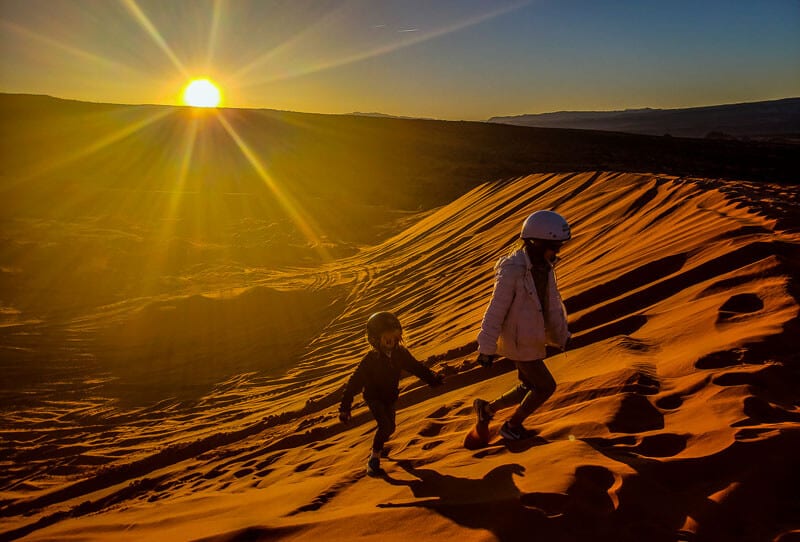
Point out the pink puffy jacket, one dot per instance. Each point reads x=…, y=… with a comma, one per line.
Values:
x=514, y=324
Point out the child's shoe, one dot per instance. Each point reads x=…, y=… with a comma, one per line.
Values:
x=515, y=432
x=374, y=466
x=482, y=412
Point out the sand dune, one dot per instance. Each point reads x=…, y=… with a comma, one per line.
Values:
x=676, y=415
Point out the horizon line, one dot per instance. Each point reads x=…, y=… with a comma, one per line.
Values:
x=378, y=114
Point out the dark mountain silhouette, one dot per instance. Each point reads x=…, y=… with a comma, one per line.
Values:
x=769, y=119
x=336, y=164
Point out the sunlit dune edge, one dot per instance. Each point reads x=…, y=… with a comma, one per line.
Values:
x=675, y=415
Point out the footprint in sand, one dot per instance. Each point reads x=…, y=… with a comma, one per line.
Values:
x=269, y=461
x=759, y=411
x=216, y=472
x=636, y=415
x=431, y=429
x=738, y=306
x=432, y=444
x=718, y=360
x=662, y=445
x=243, y=472
x=325, y=497
x=670, y=402
x=444, y=410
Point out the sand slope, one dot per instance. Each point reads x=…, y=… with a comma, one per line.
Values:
x=676, y=415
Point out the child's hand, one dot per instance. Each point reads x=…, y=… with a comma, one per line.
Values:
x=485, y=360
x=344, y=416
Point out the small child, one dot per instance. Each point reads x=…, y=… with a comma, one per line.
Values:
x=378, y=375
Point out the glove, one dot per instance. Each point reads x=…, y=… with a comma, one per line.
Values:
x=486, y=360
x=344, y=415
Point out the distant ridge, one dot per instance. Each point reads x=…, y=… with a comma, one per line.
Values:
x=339, y=165
x=768, y=119
x=386, y=116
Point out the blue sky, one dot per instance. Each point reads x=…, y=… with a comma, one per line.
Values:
x=443, y=59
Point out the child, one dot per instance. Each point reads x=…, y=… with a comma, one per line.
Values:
x=378, y=375
x=525, y=314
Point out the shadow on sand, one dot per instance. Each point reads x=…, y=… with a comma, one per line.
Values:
x=496, y=504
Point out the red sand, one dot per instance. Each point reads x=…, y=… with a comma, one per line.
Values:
x=676, y=415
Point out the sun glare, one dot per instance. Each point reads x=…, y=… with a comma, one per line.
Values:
x=201, y=93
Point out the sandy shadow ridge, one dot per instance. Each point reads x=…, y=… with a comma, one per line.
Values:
x=747, y=491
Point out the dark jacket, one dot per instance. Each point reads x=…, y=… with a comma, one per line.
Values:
x=379, y=376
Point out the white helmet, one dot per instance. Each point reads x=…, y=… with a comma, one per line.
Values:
x=547, y=225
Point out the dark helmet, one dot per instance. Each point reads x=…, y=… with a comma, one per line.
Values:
x=380, y=322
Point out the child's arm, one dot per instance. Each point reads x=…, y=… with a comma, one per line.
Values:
x=413, y=366
x=495, y=315
x=354, y=386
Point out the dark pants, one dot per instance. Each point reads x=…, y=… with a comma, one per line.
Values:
x=384, y=414
x=535, y=387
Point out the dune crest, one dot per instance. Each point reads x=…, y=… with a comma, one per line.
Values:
x=675, y=415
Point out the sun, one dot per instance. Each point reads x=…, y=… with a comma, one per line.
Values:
x=201, y=93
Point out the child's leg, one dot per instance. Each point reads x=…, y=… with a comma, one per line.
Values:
x=513, y=396
x=384, y=414
x=540, y=384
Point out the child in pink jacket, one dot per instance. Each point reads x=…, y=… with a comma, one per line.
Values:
x=525, y=314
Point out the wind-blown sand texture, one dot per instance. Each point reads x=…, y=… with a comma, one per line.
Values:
x=676, y=415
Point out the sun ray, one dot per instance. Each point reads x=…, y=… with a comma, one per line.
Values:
x=160, y=252
x=213, y=36
x=183, y=172
x=286, y=45
x=411, y=38
x=97, y=146
x=142, y=19
x=303, y=223
x=74, y=51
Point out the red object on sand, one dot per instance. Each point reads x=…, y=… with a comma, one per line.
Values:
x=477, y=437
